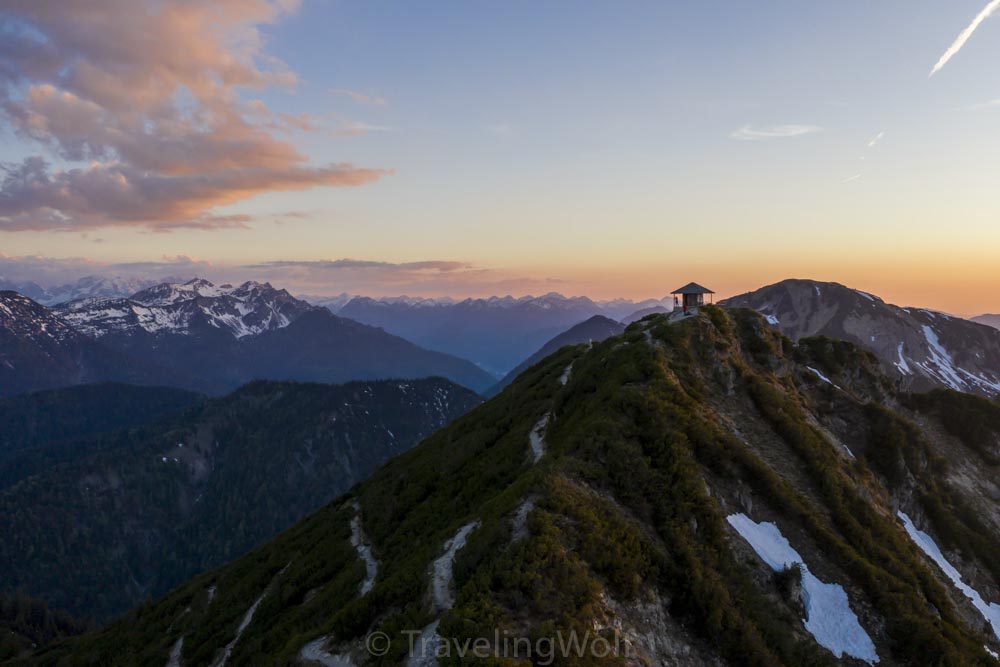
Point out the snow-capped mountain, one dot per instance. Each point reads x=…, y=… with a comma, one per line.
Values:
x=331, y=303
x=97, y=287
x=222, y=336
x=187, y=309
x=88, y=287
x=31, y=322
x=923, y=348
x=497, y=332
x=38, y=350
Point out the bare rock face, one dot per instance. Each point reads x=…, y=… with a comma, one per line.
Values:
x=923, y=349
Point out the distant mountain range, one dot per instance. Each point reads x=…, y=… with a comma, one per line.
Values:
x=192, y=309
x=84, y=288
x=497, y=333
x=119, y=515
x=920, y=348
x=646, y=312
x=989, y=320
x=204, y=337
x=594, y=330
x=213, y=338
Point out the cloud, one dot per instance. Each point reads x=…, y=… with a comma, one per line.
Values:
x=964, y=36
x=991, y=104
x=33, y=197
x=752, y=133
x=51, y=271
x=360, y=98
x=145, y=97
x=355, y=128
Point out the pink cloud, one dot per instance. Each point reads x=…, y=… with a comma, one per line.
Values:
x=147, y=92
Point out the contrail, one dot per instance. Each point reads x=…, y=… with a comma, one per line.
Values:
x=878, y=138
x=966, y=34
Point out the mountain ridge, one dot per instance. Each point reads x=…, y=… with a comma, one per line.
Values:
x=596, y=328
x=94, y=286
x=922, y=348
x=39, y=351
x=637, y=501
x=206, y=338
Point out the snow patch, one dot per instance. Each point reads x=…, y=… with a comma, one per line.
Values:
x=866, y=295
x=772, y=320
x=822, y=377
x=441, y=579
x=247, y=618
x=942, y=360
x=564, y=378
x=314, y=652
x=519, y=526
x=423, y=650
x=989, y=610
x=175, y=653
x=359, y=543
x=536, y=438
x=945, y=370
x=830, y=619
x=903, y=367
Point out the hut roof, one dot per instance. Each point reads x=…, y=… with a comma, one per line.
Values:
x=693, y=288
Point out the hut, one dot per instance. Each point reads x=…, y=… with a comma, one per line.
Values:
x=691, y=296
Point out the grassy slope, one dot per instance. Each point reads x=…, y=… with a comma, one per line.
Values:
x=644, y=462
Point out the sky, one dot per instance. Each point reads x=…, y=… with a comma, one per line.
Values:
x=472, y=149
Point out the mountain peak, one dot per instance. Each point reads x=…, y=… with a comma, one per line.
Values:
x=921, y=348
x=186, y=308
